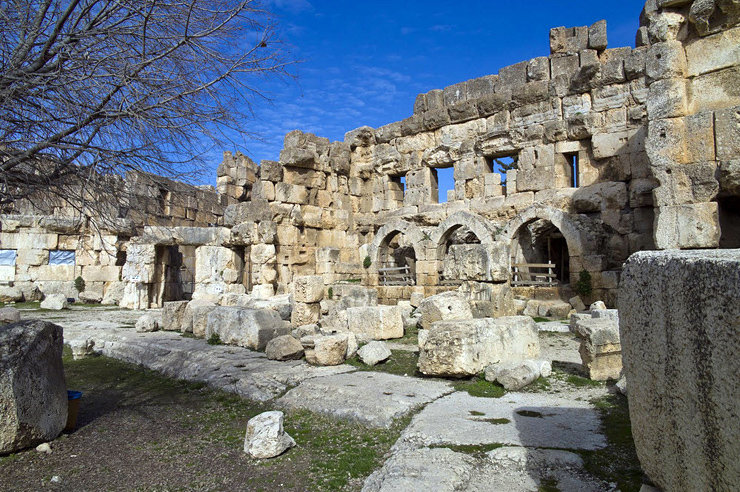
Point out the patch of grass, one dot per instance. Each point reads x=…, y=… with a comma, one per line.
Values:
x=477, y=450
x=538, y=385
x=353, y=280
x=617, y=462
x=22, y=305
x=540, y=319
x=186, y=334
x=330, y=455
x=501, y=421
x=214, y=339
x=478, y=386
x=476, y=413
x=401, y=363
x=581, y=382
x=548, y=485
x=410, y=336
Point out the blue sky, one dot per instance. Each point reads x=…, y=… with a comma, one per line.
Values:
x=363, y=63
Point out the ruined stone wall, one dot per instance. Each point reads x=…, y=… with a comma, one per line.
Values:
x=693, y=138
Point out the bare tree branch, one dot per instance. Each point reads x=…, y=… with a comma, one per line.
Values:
x=96, y=87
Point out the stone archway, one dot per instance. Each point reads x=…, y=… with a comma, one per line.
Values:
x=412, y=232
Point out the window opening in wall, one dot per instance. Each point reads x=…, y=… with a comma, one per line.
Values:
x=445, y=183
x=397, y=188
x=729, y=221
x=120, y=258
x=7, y=257
x=164, y=201
x=575, y=179
x=190, y=213
x=61, y=257
x=501, y=164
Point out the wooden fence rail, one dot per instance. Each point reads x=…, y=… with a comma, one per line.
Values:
x=395, y=276
x=533, y=274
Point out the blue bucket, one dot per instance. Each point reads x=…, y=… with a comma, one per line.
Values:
x=73, y=406
x=74, y=395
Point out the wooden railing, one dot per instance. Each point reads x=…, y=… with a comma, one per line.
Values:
x=542, y=274
x=395, y=276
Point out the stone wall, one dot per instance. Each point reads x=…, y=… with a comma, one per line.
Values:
x=679, y=315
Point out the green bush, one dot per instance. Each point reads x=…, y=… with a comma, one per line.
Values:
x=367, y=262
x=214, y=339
x=80, y=284
x=330, y=293
x=583, y=287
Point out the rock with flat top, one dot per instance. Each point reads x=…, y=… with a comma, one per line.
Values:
x=284, y=347
x=374, y=353
x=266, y=437
x=55, y=302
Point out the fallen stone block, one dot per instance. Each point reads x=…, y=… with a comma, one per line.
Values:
x=466, y=347
x=266, y=437
x=10, y=294
x=55, y=302
x=374, y=353
x=444, y=307
x=577, y=303
x=305, y=313
x=610, y=314
x=195, y=317
x=601, y=350
x=173, y=315
x=284, y=347
x=575, y=318
x=513, y=375
x=375, y=322
x=328, y=350
x=308, y=289
x=33, y=393
x=82, y=348
x=251, y=328
x=146, y=324
x=9, y=315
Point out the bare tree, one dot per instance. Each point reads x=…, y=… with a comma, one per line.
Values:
x=90, y=88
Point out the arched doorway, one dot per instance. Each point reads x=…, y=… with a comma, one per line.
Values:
x=396, y=260
x=539, y=254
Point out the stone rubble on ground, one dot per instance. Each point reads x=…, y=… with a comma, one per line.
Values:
x=284, y=347
x=374, y=353
x=55, y=302
x=146, y=324
x=9, y=315
x=81, y=348
x=266, y=437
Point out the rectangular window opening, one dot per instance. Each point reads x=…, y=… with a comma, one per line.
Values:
x=445, y=184
x=190, y=213
x=574, y=169
x=8, y=257
x=61, y=257
x=164, y=201
x=501, y=164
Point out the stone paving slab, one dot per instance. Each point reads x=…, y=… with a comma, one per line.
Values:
x=534, y=420
x=371, y=398
x=235, y=369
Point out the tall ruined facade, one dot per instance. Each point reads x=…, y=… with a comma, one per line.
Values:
x=614, y=151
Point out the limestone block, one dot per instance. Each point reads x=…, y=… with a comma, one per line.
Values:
x=35, y=241
x=443, y=307
x=109, y=273
x=634, y=64
x=678, y=324
x=668, y=98
x=195, y=317
x=271, y=171
x=9, y=315
x=265, y=436
x=600, y=348
x=727, y=133
x=723, y=46
x=375, y=322
x=618, y=143
x=284, y=347
x=729, y=177
x=250, y=328
x=305, y=313
x=308, y=289
x=666, y=60
x=466, y=347
x=33, y=393
x=612, y=65
x=374, y=353
x=263, y=291
x=597, y=36
x=34, y=257
x=687, y=226
x=82, y=348
x=263, y=254
x=54, y=302
x=577, y=303
x=610, y=314
x=146, y=324
x=135, y=296
x=10, y=294
x=611, y=97
x=513, y=376
x=288, y=193
x=173, y=313
x=329, y=350
x=466, y=262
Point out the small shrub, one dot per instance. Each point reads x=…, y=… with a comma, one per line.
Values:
x=583, y=287
x=214, y=339
x=367, y=262
x=80, y=284
x=330, y=293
